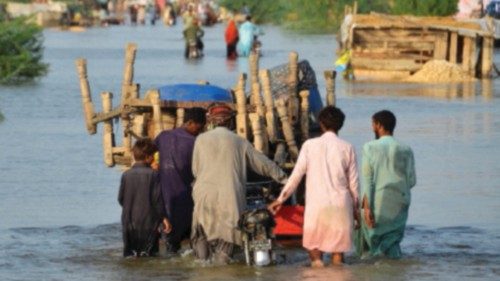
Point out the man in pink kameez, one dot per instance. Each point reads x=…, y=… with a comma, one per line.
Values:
x=329, y=164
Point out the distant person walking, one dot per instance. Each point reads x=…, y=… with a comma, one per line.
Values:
x=329, y=164
x=388, y=174
x=247, y=34
x=231, y=36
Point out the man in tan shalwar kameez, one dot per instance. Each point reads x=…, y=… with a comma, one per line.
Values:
x=220, y=161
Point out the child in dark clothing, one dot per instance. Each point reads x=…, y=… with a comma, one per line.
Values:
x=142, y=203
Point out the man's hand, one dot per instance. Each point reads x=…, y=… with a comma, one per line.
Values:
x=357, y=222
x=274, y=207
x=369, y=219
x=167, y=227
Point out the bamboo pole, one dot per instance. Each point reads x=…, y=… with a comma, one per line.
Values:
x=128, y=90
x=280, y=154
x=269, y=105
x=138, y=125
x=453, y=47
x=487, y=57
x=108, y=138
x=258, y=139
x=241, y=82
x=304, y=116
x=330, y=87
x=257, y=99
x=287, y=129
x=261, y=113
x=293, y=105
x=254, y=68
x=180, y=117
x=241, y=116
x=128, y=70
x=127, y=138
x=88, y=107
x=157, y=116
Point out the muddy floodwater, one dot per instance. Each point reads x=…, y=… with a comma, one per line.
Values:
x=59, y=218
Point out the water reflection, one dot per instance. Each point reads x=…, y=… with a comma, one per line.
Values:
x=468, y=91
x=328, y=273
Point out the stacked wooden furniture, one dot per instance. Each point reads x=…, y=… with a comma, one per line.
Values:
x=275, y=127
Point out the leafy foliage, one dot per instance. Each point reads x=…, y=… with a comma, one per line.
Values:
x=425, y=7
x=21, y=50
x=326, y=15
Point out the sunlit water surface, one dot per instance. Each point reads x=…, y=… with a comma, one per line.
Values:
x=58, y=211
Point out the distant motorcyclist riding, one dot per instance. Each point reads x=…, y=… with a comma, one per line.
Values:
x=194, y=45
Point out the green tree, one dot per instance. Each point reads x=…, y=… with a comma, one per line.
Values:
x=261, y=10
x=368, y=6
x=425, y=7
x=21, y=50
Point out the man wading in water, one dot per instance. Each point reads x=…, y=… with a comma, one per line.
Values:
x=388, y=174
x=176, y=151
x=329, y=164
x=220, y=161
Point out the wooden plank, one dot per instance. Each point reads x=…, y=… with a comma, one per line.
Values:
x=453, y=47
x=403, y=45
x=441, y=47
x=105, y=116
x=377, y=36
x=487, y=57
x=385, y=64
x=466, y=54
x=460, y=31
x=108, y=137
x=171, y=104
x=392, y=55
x=474, y=57
x=124, y=160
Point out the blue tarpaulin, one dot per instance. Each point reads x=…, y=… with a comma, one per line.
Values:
x=194, y=93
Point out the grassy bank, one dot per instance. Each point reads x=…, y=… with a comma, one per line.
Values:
x=325, y=16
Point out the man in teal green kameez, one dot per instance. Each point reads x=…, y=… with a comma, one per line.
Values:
x=388, y=174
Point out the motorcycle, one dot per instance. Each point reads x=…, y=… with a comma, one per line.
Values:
x=193, y=51
x=256, y=46
x=256, y=226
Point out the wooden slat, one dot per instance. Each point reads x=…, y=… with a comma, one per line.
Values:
x=391, y=55
x=374, y=36
x=453, y=47
x=171, y=104
x=101, y=116
x=441, y=47
x=416, y=47
x=385, y=64
x=487, y=55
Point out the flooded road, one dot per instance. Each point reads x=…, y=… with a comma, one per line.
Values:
x=58, y=210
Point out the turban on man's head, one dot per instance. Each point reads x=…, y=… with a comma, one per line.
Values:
x=219, y=113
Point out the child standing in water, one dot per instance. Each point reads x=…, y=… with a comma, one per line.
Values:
x=141, y=200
